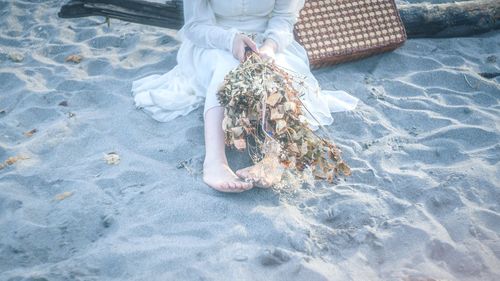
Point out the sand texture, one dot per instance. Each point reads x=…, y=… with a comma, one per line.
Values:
x=92, y=188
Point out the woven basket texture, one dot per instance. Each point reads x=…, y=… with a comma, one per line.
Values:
x=336, y=31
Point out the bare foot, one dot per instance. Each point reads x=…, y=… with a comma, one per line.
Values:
x=220, y=177
x=260, y=176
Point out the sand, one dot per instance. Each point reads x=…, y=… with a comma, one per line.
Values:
x=100, y=191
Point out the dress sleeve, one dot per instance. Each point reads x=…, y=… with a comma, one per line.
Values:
x=200, y=27
x=283, y=18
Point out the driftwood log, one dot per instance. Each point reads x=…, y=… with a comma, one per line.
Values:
x=167, y=15
x=451, y=19
x=420, y=20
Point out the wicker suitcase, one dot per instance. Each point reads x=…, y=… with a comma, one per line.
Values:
x=335, y=31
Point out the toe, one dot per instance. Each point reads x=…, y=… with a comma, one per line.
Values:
x=242, y=173
x=232, y=185
x=224, y=186
x=235, y=186
x=240, y=185
x=247, y=185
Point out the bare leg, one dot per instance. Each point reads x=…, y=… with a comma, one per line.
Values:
x=216, y=172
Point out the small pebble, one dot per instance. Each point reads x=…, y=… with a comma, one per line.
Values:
x=16, y=57
x=240, y=258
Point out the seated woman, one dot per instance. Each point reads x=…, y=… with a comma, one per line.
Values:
x=214, y=38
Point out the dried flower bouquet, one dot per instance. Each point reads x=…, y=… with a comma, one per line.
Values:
x=264, y=114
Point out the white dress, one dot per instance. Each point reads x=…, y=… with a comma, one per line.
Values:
x=205, y=57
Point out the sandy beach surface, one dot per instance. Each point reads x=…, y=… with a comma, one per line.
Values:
x=92, y=188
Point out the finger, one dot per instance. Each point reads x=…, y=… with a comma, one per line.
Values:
x=241, y=54
x=266, y=57
x=250, y=43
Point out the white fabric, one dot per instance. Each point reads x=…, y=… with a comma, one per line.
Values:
x=205, y=57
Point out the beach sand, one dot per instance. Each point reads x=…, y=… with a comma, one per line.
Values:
x=97, y=190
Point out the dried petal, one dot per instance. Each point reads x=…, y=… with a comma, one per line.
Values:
x=273, y=99
x=275, y=114
x=11, y=161
x=64, y=195
x=245, y=121
x=237, y=131
x=290, y=106
x=240, y=144
x=319, y=174
x=226, y=123
x=280, y=126
x=344, y=168
x=74, y=58
x=303, y=149
x=294, y=148
x=30, y=133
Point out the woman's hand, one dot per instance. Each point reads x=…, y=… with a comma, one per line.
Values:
x=268, y=50
x=239, y=43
